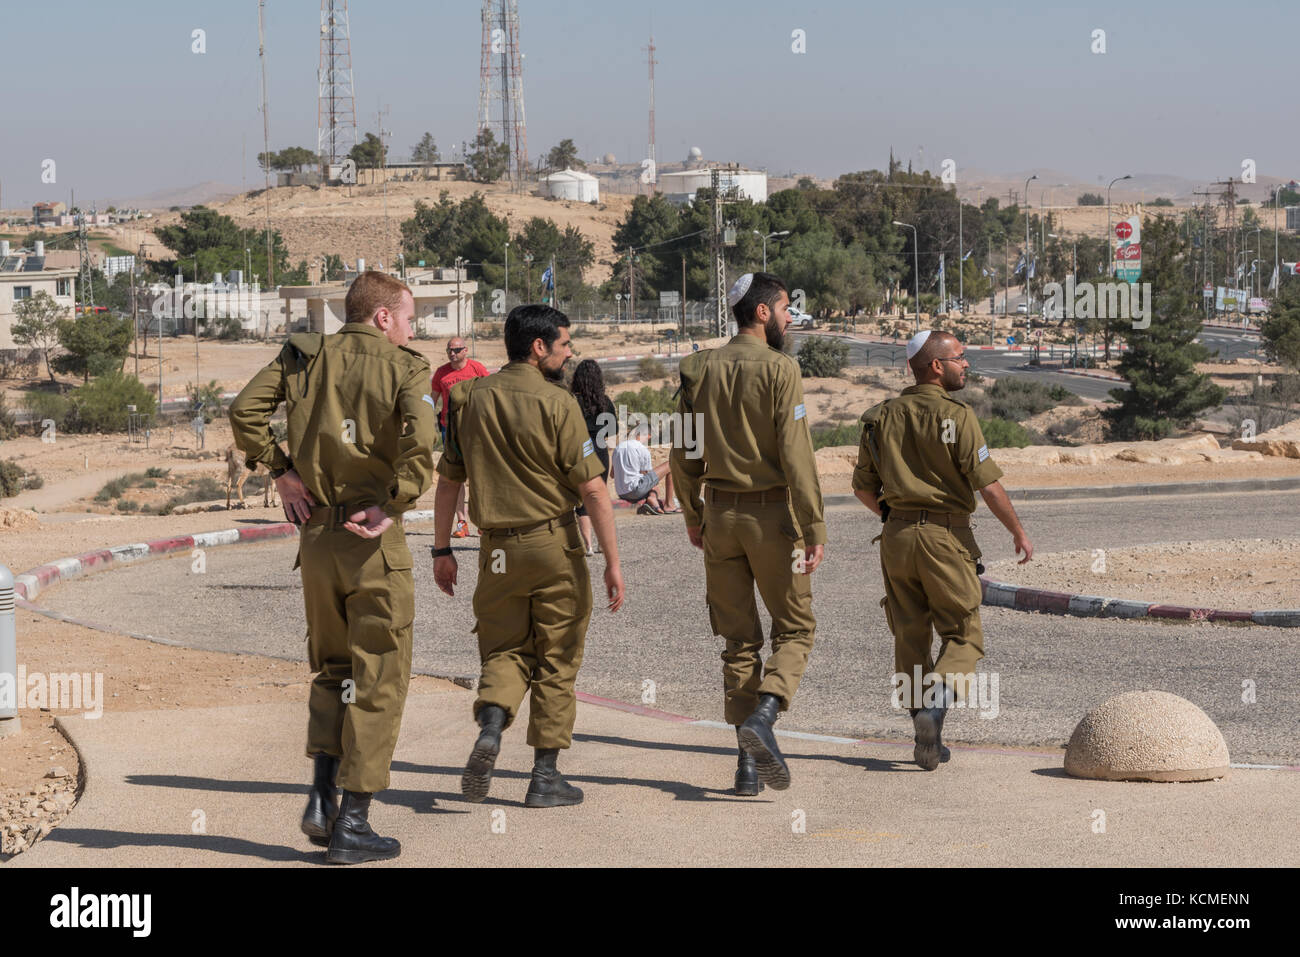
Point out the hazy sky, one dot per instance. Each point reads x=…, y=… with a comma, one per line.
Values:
x=113, y=93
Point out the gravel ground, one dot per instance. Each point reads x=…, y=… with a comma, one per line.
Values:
x=1237, y=575
x=1050, y=669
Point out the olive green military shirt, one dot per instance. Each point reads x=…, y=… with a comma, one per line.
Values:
x=932, y=454
x=754, y=432
x=361, y=421
x=522, y=444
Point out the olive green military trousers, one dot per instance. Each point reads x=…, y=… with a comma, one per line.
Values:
x=533, y=602
x=930, y=582
x=360, y=600
x=748, y=544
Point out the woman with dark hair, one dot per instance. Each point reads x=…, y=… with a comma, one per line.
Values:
x=589, y=389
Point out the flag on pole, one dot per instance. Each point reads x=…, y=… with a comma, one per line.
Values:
x=1032, y=264
x=967, y=256
x=548, y=279
x=1019, y=265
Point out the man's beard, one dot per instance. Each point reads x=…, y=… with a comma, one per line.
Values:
x=952, y=380
x=554, y=375
x=774, y=330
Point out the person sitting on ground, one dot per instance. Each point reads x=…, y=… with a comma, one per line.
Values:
x=636, y=478
x=588, y=387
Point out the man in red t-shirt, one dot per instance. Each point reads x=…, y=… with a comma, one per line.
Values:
x=458, y=367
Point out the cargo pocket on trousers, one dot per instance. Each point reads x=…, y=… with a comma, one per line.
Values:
x=889, y=618
x=713, y=619
x=964, y=539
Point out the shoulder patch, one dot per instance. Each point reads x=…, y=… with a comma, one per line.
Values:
x=429, y=399
x=588, y=449
x=799, y=411
x=982, y=453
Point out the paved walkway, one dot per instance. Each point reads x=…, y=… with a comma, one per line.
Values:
x=225, y=787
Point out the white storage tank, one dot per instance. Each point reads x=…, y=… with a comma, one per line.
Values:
x=681, y=187
x=571, y=184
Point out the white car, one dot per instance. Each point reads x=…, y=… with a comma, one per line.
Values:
x=801, y=320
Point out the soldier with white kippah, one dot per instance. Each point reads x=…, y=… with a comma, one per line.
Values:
x=761, y=520
x=921, y=461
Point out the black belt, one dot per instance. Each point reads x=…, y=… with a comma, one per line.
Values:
x=333, y=514
x=568, y=518
x=949, y=519
x=719, y=497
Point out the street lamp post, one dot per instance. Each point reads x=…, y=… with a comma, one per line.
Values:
x=784, y=232
x=916, y=269
x=1029, y=302
x=1110, y=240
x=1258, y=230
x=507, y=275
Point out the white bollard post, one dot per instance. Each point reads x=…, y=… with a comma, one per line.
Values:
x=10, y=723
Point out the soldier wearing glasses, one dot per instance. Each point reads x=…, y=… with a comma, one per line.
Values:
x=922, y=458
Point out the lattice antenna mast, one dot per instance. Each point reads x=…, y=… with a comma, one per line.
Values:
x=501, y=83
x=653, y=170
x=336, y=105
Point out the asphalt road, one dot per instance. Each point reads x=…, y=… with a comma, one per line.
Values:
x=1050, y=669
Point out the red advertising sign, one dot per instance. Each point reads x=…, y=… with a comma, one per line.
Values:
x=1131, y=251
x=1123, y=229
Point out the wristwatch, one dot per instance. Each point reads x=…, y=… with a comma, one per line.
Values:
x=440, y=552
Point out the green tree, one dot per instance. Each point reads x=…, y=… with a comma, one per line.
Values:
x=296, y=157
x=36, y=324
x=217, y=244
x=490, y=160
x=100, y=405
x=440, y=232
x=1090, y=199
x=94, y=343
x=822, y=357
x=564, y=156
x=1165, y=390
x=1280, y=333
x=426, y=152
x=369, y=153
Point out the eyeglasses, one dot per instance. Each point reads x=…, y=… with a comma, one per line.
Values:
x=960, y=358
x=452, y=352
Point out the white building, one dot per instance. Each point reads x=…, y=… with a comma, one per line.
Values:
x=23, y=275
x=571, y=184
x=681, y=187
x=443, y=306
x=175, y=309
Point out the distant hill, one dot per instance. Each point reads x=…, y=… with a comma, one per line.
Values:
x=200, y=194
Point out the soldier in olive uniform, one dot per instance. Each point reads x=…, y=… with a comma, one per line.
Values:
x=922, y=459
x=360, y=436
x=518, y=437
x=761, y=521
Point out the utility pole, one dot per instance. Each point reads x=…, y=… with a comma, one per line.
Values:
x=631, y=283
x=383, y=163
x=266, y=146
x=459, y=302
x=683, y=297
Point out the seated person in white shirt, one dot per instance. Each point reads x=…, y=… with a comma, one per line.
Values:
x=636, y=478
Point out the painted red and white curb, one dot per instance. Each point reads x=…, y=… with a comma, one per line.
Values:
x=29, y=584
x=1020, y=598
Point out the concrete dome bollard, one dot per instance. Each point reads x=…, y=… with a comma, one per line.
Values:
x=1147, y=736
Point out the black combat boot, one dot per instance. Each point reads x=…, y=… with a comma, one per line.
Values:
x=476, y=780
x=747, y=782
x=928, y=725
x=548, y=788
x=353, y=842
x=322, y=802
x=757, y=738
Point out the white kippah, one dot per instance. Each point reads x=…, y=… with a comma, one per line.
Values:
x=916, y=342
x=739, y=289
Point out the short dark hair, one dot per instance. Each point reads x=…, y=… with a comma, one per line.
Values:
x=533, y=321
x=765, y=289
